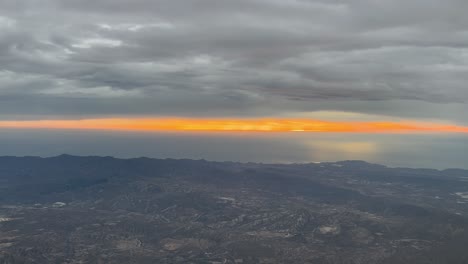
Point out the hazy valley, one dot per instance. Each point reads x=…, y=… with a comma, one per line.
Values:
x=71, y=209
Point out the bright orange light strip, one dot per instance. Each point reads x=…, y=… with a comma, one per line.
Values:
x=245, y=125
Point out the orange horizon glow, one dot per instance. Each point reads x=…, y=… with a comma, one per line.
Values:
x=236, y=125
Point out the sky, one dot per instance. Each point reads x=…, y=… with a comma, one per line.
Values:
x=296, y=80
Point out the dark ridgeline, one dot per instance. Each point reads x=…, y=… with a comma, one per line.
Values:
x=68, y=209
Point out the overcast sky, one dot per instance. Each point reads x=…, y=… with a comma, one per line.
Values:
x=82, y=58
x=345, y=60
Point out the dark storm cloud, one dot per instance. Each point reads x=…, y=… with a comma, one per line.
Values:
x=224, y=57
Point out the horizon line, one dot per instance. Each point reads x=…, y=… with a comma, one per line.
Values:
x=296, y=125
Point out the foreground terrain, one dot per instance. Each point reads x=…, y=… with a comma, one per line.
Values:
x=70, y=209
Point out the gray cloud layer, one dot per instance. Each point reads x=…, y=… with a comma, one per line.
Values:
x=224, y=57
